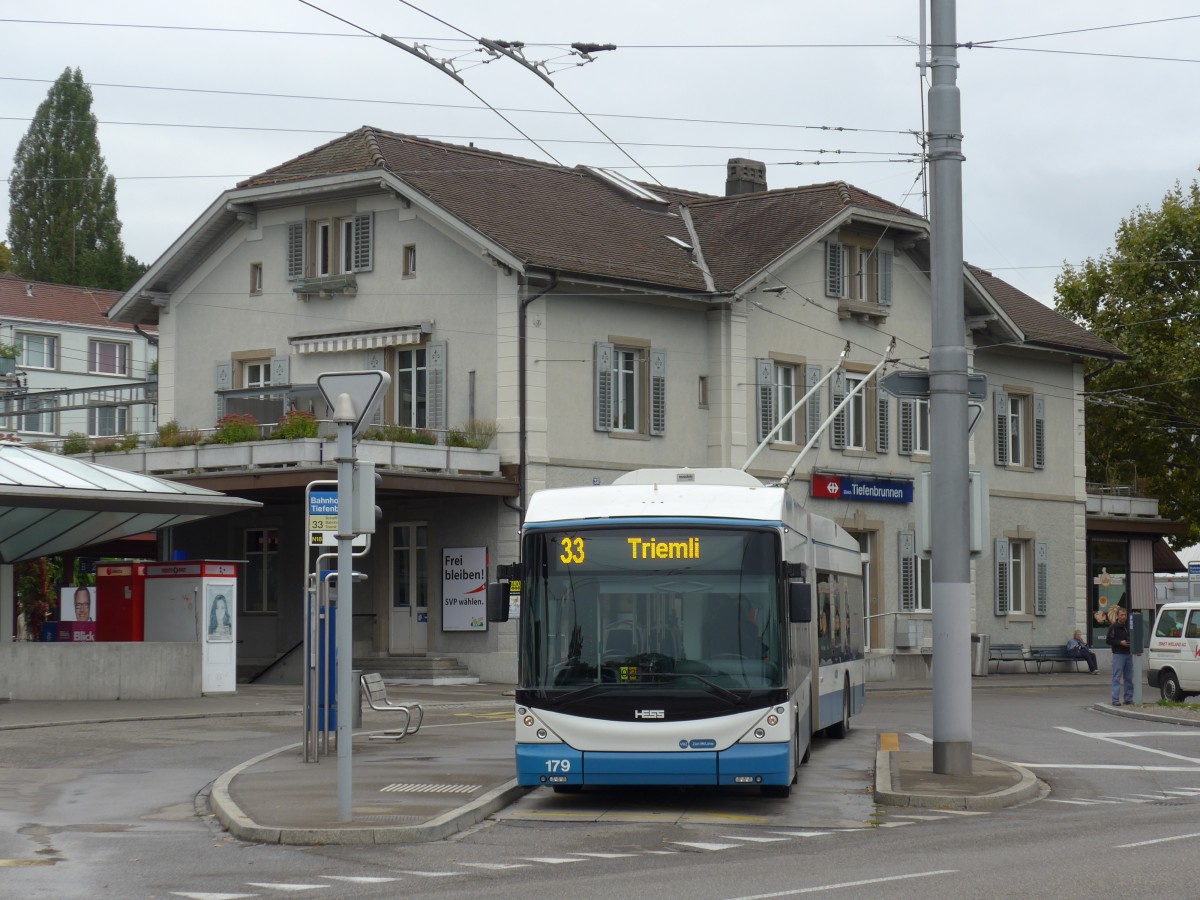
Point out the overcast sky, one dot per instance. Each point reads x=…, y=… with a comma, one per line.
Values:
x=1076, y=114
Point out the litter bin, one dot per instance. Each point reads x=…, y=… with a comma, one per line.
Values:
x=356, y=719
x=981, y=649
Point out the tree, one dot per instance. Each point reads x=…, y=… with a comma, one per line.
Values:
x=5, y=257
x=62, y=214
x=1143, y=415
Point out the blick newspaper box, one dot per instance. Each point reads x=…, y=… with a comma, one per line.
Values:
x=196, y=601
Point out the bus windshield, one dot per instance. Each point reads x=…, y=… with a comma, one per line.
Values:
x=679, y=608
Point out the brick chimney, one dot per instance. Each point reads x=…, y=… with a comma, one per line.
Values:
x=745, y=176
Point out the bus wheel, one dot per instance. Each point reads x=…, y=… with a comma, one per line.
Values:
x=842, y=728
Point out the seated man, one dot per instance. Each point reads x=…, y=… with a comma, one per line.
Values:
x=1077, y=648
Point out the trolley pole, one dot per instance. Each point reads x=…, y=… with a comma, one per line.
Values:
x=950, y=517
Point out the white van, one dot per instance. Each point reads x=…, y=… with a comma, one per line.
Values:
x=1174, y=659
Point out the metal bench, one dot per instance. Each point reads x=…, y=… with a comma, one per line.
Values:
x=1051, y=654
x=375, y=692
x=1002, y=653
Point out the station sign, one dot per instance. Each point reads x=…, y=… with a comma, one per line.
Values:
x=860, y=488
x=323, y=521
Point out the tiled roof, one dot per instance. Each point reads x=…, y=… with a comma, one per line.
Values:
x=573, y=221
x=1041, y=324
x=55, y=302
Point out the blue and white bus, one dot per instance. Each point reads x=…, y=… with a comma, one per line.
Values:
x=681, y=627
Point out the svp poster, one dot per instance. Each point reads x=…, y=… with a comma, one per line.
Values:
x=464, y=588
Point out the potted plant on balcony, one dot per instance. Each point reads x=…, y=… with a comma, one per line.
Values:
x=9, y=354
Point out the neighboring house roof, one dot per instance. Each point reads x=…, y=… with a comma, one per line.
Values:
x=40, y=301
x=579, y=223
x=1040, y=324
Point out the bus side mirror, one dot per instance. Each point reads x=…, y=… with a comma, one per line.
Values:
x=799, y=601
x=497, y=601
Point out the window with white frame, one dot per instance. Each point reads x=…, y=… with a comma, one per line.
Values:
x=411, y=398
x=1020, y=429
x=914, y=425
x=108, y=357
x=410, y=261
x=107, y=421
x=256, y=373
x=330, y=246
x=857, y=268
x=36, y=415
x=629, y=388
x=856, y=413
x=785, y=397
x=261, y=579
x=1021, y=571
x=38, y=351
x=256, y=278
x=410, y=566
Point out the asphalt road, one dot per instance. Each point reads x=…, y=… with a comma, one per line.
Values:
x=110, y=810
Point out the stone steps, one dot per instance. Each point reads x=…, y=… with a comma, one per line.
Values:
x=431, y=669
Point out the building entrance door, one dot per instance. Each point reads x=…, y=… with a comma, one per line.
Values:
x=408, y=616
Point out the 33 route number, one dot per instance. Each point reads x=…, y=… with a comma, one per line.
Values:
x=572, y=551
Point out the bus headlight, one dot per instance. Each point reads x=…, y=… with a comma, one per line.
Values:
x=541, y=733
x=759, y=733
x=772, y=720
x=527, y=721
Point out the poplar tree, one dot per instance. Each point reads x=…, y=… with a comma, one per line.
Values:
x=62, y=214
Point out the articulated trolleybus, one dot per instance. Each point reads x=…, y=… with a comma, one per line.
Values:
x=681, y=627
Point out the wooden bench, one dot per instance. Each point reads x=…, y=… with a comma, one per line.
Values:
x=375, y=692
x=1002, y=653
x=1051, y=654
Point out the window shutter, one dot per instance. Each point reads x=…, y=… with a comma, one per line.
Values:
x=222, y=381
x=435, y=384
x=908, y=420
x=1002, y=575
x=1000, y=407
x=280, y=367
x=837, y=393
x=1041, y=575
x=1039, y=431
x=908, y=571
x=363, y=241
x=833, y=269
x=658, y=392
x=882, y=424
x=764, y=385
x=885, y=277
x=603, y=389
x=295, y=251
x=812, y=407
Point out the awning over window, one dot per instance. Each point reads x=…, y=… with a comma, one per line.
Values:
x=50, y=503
x=367, y=339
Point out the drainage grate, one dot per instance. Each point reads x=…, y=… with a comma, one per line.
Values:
x=429, y=789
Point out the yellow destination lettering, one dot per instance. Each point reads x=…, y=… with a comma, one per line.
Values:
x=641, y=548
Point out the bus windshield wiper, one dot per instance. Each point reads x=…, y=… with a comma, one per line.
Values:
x=582, y=692
x=710, y=686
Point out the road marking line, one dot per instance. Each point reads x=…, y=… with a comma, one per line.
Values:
x=495, y=865
x=703, y=845
x=1128, y=744
x=429, y=874
x=361, y=879
x=14, y=863
x=847, y=884
x=283, y=886
x=1178, y=837
x=197, y=895
x=802, y=833
x=917, y=818
x=895, y=824
x=1128, y=800
x=608, y=855
x=1115, y=766
x=550, y=860
x=1083, y=802
x=963, y=812
x=917, y=736
x=756, y=840
x=1191, y=733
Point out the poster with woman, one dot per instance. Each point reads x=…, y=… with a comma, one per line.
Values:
x=220, y=617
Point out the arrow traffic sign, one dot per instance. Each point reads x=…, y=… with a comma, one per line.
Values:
x=916, y=384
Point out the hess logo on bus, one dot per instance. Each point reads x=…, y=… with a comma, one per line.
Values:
x=649, y=714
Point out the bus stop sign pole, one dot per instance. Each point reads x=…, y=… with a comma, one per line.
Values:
x=353, y=397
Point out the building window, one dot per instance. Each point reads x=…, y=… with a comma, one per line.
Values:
x=36, y=416
x=1020, y=429
x=107, y=421
x=262, y=562
x=1016, y=578
x=410, y=261
x=256, y=374
x=858, y=269
x=785, y=397
x=108, y=358
x=411, y=397
x=702, y=398
x=856, y=414
x=38, y=351
x=626, y=406
x=319, y=248
x=924, y=584
x=410, y=568
x=323, y=237
x=630, y=393
x=256, y=278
